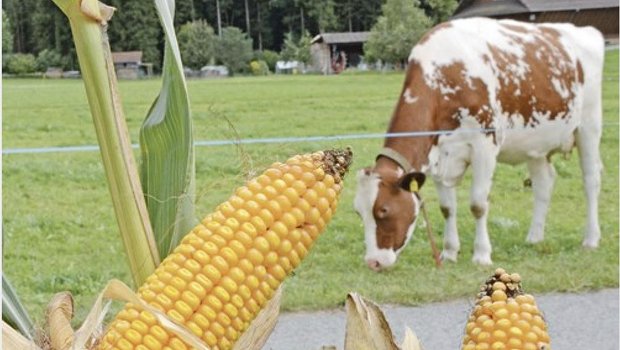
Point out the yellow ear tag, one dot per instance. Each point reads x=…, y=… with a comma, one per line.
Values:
x=413, y=186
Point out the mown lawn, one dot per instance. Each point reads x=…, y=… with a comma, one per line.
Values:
x=59, y=232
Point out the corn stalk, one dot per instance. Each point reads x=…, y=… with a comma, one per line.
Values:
x=88, y=19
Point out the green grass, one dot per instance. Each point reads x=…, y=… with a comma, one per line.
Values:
x=60, y=232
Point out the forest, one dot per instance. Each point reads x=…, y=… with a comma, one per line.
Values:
x=37, y=26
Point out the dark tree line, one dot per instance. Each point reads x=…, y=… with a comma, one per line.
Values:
x=37, y=25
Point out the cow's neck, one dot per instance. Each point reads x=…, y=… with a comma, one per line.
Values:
x=413, y=117
x=414, y=149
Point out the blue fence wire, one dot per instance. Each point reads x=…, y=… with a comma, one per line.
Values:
x=272, y=140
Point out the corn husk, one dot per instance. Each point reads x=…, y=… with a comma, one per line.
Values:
x=368, y=329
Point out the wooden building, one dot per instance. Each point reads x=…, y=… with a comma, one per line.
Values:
x=334, y=52
x=129, y=65
x=601, y=14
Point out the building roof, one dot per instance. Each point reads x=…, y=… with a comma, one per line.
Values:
x=341, y=38
x=486, y=8
x=127, y=57
x=560, y=5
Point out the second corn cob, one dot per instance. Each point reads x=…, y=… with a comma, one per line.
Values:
x=225, y=270
x=505, y=317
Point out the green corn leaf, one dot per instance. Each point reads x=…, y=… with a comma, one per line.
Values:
x=13, y=312
x=166, y=143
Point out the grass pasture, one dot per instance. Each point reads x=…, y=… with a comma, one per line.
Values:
x=59, y=232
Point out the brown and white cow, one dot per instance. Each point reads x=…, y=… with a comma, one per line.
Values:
x=527, y=91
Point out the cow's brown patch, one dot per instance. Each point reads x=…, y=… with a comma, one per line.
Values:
x=445, y=211
x=579, y=72
x=535, y=91
x=393, y=209
x=469, y=93
x=516, y=28
x=477, y=211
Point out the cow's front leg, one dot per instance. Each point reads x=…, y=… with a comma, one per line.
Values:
x=447, y=202
x=542, y=174
x=483, y=166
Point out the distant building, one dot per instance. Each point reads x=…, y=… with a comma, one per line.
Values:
x=601, y=14
x=333, y=52
x=129, y=65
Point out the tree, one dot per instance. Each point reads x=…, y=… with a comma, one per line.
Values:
x=296, y=50
x=20, y=18
x=7, y=35
x=135, y=26
x=322, y=11
x=439, y=10
x=233, y=49
x=184, y=12
x=396, y=31
x=196, y=42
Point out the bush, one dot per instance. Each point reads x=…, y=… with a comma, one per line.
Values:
x=259, y=68
x=49, y=58
x=196, y=43
x=234, y=49
x=270, y=58
x=20, y=63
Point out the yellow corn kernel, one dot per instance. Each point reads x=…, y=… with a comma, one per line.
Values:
x=208, y=312
x=231, y=310
x=193, y=266
x=210, y=338
x=214, y=302
x=212, y=273
x=237, y=301
x=151, y=342
x=184, y=309
x=246, y=266
x=230, y=256
x=177, y=344
x=124, y=344
x=204, y=282
x=229, y=285
x=194, y=328
x=176, y=316
x=133, y=336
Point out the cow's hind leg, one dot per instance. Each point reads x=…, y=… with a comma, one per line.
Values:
x=588, y=139
x=542, y=174
x=483, y=166
x=447, y=201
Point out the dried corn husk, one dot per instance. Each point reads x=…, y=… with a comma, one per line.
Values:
x=367, y=328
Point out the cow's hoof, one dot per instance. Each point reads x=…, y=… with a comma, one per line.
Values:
x=534, y=237
x=590, y=244
x=482, y=260
x=449, y=255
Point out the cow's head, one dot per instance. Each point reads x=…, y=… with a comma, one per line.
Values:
x=388, y=203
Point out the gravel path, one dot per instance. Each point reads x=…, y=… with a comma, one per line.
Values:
x=587, y=321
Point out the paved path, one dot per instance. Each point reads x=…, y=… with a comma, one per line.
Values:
x=576, y=322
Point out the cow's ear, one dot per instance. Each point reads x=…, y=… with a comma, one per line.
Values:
x=412, y=182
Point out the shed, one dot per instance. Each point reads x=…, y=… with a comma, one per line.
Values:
x=601, y=14
x=129, y=65
x=333, y=52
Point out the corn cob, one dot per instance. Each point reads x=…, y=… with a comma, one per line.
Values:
x=227, y=268
x=505, y=317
